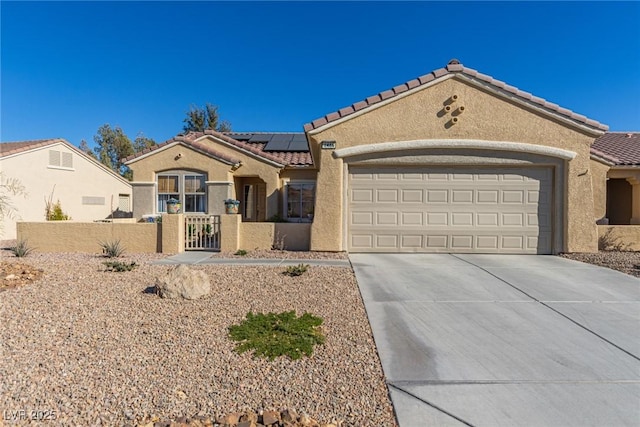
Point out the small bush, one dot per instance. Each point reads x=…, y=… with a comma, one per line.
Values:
x=296, y=270
x=21, y=249
x=54, y=212
x=241, y=252
x=272, y=335
x=278, y=242
x=119, y=266
x=112, y=249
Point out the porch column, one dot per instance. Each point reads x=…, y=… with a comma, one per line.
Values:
x=217, y=193
x=144, y=200
x=635, y=199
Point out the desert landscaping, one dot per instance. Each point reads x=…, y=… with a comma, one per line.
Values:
x=101, y=348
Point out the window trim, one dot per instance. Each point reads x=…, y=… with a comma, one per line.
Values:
x=286, y=199
x=181, y=174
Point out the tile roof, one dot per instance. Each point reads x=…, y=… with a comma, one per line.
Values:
x=619, y=148
x=453, y=67
x=289, y=157
x=190, y=139
x=10, y=148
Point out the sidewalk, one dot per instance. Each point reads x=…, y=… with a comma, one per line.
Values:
x=210, y=258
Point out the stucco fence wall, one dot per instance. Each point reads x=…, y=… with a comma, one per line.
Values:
x=70, y=236
x=621, y=237
x=166, y=237
x=262, y=235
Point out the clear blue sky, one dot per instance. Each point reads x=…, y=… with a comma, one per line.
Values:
x=67, y=68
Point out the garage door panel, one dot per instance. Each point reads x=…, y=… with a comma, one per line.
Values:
x=437, y=218
x=386, y=218
x=504, y=210
x=412, y=196
x=461, y=219
x=487, y=196
x=462, y=196
x=412, y=218
x=437, y=196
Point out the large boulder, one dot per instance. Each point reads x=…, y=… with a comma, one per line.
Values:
x=182, y=282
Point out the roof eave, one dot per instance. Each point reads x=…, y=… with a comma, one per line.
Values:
x=594, y=131
x=242, y=150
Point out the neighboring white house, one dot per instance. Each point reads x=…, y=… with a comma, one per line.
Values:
x=57, y=170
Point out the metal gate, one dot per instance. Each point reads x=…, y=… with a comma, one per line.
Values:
x=202, y=232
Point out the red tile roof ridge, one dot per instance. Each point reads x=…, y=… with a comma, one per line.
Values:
x=454, y=67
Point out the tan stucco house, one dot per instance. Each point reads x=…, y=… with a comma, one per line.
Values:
x=453, y=161
x=54, y=169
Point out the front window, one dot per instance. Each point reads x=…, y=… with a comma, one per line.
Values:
x=301, y=201
x=187, y=187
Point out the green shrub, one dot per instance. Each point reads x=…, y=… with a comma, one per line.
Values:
x=241, y=252
x=112, y=249
x=54, y=212
x=296, y=270
x=272, y=335
x=21, y=249
x=119, y=266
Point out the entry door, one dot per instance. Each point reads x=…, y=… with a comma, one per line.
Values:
x=254, y=202
x=464, y=210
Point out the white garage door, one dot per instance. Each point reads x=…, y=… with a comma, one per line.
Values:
x=480, y=210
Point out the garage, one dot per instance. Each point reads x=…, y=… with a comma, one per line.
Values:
x=450, y=209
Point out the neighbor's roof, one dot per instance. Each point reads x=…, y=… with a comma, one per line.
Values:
x=284, y=157
x=454, y=67
x=618, y=148
x=10, y=148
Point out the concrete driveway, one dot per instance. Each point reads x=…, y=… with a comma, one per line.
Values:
x=504, y=340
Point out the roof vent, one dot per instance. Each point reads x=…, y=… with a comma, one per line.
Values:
x=629, y=135
x=454, y=61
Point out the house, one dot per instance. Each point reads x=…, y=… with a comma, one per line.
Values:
x=453, y=161
x=615, y=164
x=54, y=169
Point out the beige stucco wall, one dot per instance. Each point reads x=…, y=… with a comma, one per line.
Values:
x=621, y=237
x=230, y=232
x=420, y=115
x=68, y=236
x=85, y=178
x=145, y=169
x=599, y=186
x=263, y=235
x=172, y=233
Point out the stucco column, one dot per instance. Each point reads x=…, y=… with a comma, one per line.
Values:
x=217, y=193
x=635, y=199
x=144, y=200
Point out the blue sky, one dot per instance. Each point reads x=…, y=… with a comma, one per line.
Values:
x=70, y=67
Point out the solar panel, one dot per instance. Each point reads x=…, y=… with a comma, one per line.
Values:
x=261, y=137
x=279, y=142
x=298, y=143
x=240, y=136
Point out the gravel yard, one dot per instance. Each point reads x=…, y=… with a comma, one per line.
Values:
x=627, y=262
x=99, y=350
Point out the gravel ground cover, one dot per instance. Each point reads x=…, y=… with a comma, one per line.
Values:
x=100, y=349
x=627, y=262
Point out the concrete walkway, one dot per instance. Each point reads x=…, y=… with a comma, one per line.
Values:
x=195, y=257
x=490, y=340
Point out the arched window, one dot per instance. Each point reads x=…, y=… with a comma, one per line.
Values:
x=186, y=186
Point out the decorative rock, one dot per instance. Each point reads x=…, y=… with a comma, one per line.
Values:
x=270, y=417
x=289, y=416
x=182, y=282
